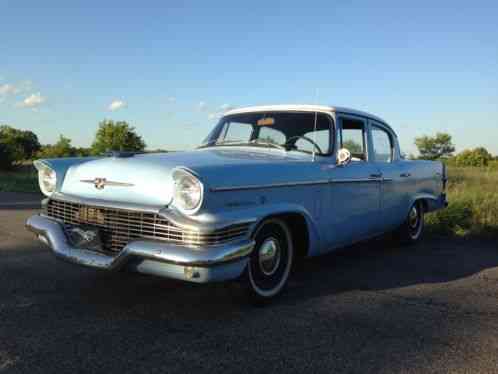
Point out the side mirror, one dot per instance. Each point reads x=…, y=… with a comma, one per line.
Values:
x=343, y=157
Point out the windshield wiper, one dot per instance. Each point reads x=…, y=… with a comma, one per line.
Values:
x=222, y=143
x=239, y=142
x=270, y=144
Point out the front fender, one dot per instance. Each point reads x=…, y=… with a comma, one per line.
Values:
x=208, y=222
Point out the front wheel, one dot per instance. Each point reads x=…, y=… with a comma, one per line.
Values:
x=413, y=227
x=270, y=263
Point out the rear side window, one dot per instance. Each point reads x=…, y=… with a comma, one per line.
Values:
x=382, y=144
x=353, y=138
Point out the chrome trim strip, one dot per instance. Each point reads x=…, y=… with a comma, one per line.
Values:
x=356, y=180
x=187, y=223
x=304, y=183
x=271, y=185
x=51, y=232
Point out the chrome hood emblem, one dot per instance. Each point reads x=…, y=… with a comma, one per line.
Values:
x=101, y=183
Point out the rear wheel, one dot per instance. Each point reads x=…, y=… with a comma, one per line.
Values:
x=413, y=227
x=270, y=263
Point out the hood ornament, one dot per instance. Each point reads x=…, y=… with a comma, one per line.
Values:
x=101, y=183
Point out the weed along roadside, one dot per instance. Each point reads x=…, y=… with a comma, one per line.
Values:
x=473, y=209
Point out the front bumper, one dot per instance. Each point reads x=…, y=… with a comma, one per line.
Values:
x=201, y=265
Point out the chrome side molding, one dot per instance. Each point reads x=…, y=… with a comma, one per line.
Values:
x=269, y=185
x=297, y=184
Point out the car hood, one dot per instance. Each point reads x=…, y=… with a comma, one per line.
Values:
x=147, y=179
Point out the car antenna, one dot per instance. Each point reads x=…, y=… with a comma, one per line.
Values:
x=314, y=126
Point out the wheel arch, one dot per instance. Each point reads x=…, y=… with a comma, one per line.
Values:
x=298, y=222
x=429, y=202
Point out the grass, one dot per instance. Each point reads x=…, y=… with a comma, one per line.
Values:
x=22, y=179
x=473, y=209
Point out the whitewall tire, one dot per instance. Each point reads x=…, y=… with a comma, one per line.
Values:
x=271, y=261
x=413, y=227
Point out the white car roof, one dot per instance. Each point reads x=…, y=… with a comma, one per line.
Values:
x=303, y=108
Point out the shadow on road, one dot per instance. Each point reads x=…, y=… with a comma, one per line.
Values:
x=371, y=266
x=69, y=317
x=382, y=265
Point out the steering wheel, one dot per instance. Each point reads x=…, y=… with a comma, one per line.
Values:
x=305, y=138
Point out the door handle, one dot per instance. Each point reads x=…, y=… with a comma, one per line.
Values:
x=376, y=176
x=405, y=175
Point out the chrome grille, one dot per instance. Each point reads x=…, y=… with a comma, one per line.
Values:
x=119, y=226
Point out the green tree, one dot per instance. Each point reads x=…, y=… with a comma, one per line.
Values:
x=62, y=148
x=450, y=161
x=435, y=147
x=22, y=144
x=477, y=157
x=353, y=146
x=116, y=136
x=6, y=157
x=82, y=152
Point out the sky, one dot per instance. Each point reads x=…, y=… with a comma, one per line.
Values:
x=171, y=69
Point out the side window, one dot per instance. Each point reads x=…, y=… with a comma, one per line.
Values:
x=267, y=134
x=235, y=132
x=353, y=138
x=382, y=144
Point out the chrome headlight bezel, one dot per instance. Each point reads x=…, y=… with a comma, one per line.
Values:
x=47, y=178
x=186, y=184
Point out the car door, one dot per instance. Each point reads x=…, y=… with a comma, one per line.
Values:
x=395, y=177
x=355, y=187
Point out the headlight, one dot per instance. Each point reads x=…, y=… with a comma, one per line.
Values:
x=188, y=191
x=47, y=179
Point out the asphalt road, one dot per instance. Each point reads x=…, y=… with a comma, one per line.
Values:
x=372, y=309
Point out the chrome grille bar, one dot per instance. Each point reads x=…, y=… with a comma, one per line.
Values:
x=119, y=226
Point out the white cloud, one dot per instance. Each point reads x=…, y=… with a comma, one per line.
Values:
x=202, y=105
x=171, y=99
x=32, y=101
x=213, y=116
x=8, y=89
x=116, y=104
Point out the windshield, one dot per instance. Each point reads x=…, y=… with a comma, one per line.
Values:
x=285, y=130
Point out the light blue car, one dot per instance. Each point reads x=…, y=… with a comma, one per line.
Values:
x=269, y=185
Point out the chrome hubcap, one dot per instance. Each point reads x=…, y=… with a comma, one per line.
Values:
x=269, y=256
x=413, y=218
